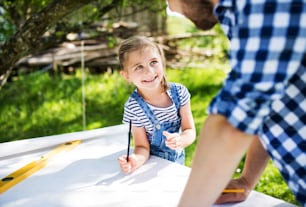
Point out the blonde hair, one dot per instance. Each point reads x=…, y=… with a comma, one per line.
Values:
x=139, y=42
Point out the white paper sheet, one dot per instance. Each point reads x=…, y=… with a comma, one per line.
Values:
x=89, y=175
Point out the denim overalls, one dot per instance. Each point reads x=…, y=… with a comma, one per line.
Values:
x=157, y=143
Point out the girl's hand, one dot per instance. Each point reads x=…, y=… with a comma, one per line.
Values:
x=173, y=141
x=127, y=166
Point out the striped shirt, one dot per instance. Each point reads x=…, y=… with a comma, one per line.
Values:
x=133, y=111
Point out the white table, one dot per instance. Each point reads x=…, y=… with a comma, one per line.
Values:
x=89, y=175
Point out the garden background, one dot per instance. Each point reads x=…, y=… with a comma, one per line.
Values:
x=38, y=103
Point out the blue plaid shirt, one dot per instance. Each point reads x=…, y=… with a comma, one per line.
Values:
x=265, y=91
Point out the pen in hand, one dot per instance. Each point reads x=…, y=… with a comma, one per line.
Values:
x=233, y=191
x=129, y=141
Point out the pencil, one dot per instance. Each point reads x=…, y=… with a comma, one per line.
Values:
x=129, y=142
x=233, y=191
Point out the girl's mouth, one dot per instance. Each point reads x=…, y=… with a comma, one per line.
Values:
x=150, y=80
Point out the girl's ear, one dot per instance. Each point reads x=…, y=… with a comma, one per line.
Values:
x=124, y=74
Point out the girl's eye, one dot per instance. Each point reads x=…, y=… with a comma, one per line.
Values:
x=154, y=62
x=139, y=67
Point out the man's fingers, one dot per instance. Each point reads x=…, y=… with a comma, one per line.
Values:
x=231, y=198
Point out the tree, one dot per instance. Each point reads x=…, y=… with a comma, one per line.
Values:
x=32, y=19
x=28, y=36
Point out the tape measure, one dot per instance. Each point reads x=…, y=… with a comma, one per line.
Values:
x=32, y=167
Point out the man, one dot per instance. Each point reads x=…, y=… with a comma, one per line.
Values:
x=263, y=96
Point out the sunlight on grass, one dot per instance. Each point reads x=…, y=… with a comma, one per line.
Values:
x=271, y=183
x=178, y=25
x=52, y=105
x=38, y=104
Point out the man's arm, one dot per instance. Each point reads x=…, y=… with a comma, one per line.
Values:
x=219, y=150
x=255, y=163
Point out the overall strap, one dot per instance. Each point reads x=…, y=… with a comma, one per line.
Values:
x=145, y=107
x=175, y=96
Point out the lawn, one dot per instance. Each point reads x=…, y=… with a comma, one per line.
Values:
x=38, y=104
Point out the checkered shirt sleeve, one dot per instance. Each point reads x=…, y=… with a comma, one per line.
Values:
x=268, y=41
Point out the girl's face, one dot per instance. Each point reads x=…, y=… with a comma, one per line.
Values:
x=144, y=68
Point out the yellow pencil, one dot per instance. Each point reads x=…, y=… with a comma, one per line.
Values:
x=233, y=191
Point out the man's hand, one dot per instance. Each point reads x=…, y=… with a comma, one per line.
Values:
x=239, y=183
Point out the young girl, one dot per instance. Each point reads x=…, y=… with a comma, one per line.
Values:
x=162, y=121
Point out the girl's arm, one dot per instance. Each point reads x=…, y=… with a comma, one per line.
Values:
x=141, y=151
x=188, y=134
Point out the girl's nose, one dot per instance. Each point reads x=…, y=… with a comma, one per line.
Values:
x=149, y=69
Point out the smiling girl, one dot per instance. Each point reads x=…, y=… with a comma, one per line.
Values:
x=162, y=121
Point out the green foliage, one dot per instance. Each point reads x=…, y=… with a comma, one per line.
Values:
x=271, y=183
x=6, y=28
x=214, y=42
x=14, y=13
x=40, y=105
x=202, y=84
x=52, y=105
x=48, y=105
x=179, y=25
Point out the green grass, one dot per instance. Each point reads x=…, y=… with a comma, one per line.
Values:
x=272, y=183
x=39, y=105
